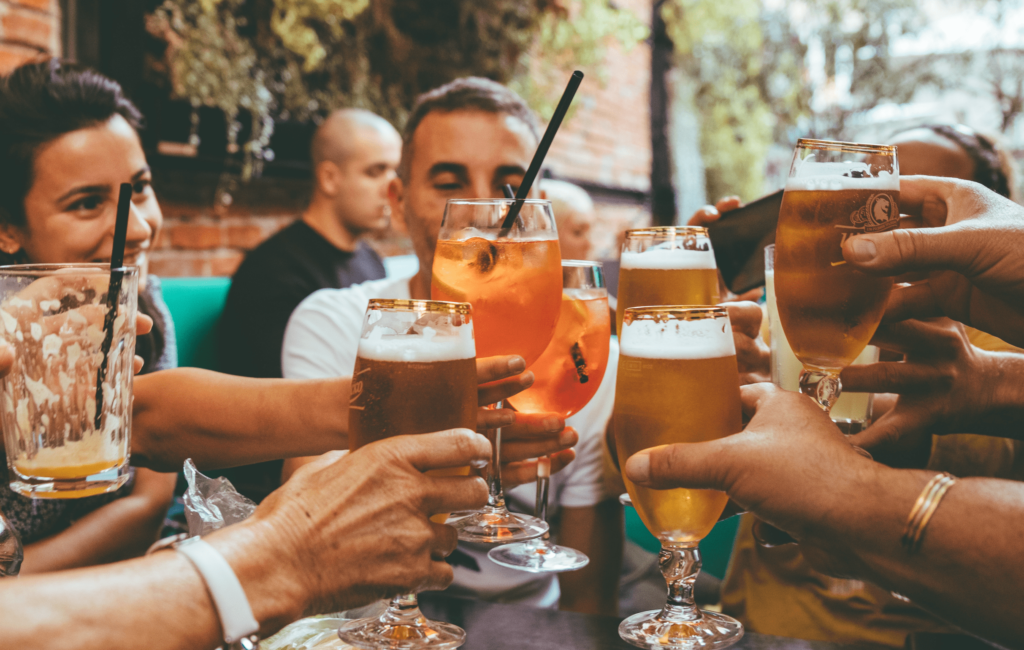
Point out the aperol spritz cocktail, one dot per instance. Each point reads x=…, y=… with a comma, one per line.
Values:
x=513, y=278
x=513, y=284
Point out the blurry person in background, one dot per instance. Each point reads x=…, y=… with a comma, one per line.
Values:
x=354, y=156
x=763, y=584
x=68, y=139
x=574, y=214
x=467, y=139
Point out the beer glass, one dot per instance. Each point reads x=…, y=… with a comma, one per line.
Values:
x=672, y=265
x=677, y=382
x=67, y=401
x=852, y=411
x=568, y=374
x=513, y=280
x=829, y=309
x=415, y=373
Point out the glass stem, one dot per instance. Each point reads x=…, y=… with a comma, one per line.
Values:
x=543, y=482
x=403, y=610
x=495, y=496
x=822, y=386
x=680, y=563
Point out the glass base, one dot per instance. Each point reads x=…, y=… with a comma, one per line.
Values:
x=496, y=526
x=389, y=632
x=50, y=488
x=675, y=629
x=538, y=557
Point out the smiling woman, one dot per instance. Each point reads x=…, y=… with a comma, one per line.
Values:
x=68, y=140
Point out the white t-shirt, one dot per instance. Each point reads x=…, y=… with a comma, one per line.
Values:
x=322, y=339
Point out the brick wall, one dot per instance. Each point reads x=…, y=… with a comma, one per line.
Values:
x=28, y=28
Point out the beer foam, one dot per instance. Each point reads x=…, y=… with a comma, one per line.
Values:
x=709, y=338
x=666, y=259
x=384, y=344
x=822, y=183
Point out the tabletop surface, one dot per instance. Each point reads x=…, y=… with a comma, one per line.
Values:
x=491, y=626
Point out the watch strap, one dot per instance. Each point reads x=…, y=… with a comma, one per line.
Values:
x=236, y=619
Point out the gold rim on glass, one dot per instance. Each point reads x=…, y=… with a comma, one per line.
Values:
x=662, y=313
x=655, y=231
x=428, y=306
x=854, y=147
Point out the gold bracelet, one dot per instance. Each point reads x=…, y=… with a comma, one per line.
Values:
x=925, y=506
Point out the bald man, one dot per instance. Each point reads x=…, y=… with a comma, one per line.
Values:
x=354, y=156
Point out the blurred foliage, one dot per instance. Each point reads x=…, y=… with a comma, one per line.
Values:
x=298, y=59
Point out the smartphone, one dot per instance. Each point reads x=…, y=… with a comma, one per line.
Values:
x=739, y=238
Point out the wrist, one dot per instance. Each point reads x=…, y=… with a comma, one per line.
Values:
x=267, y=576
x=1005, y=388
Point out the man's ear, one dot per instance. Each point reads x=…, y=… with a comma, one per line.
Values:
x=328, y=178
x=10, y=238
x=396, y=197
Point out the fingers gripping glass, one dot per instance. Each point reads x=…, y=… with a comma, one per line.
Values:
x=568, y=374
x=513, y=280
x=677, y=382
x=415, y=373
x=829, y=309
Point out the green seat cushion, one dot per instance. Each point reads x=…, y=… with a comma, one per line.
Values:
x=196, y=305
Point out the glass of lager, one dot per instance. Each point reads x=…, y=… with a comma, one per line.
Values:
x=567, y=376
x=672, y=265
x=852, y=411
x=513, y=279
x=828, y=309
x=415, y=373
x=677, y=382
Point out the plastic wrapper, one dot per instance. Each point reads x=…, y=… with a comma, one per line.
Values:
x=314, y=633
x=11, y=552
x=212, y=503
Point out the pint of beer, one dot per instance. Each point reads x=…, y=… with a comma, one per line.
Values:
x=666, y=266
x=677, y=382
x=415, y=372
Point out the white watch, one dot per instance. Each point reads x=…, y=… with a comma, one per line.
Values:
x=236, y=619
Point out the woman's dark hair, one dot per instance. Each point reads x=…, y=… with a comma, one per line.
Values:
x=990, y=164
x=40, y=102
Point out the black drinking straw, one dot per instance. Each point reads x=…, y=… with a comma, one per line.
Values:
x=124, y=204
x=542, y=150
x=509, y=194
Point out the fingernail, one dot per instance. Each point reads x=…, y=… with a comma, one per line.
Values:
x=567, y=437
x=638, y=467
x=862, y=250
x=517, y=364
x=551, y=424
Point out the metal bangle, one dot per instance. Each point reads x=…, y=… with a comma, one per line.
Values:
x=925, y=506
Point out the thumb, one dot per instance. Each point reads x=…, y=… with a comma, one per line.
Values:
x=908, y=250
x=694, y=465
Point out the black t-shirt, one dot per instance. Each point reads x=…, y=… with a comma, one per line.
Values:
x=270, y=283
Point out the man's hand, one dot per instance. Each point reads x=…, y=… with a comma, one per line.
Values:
x=350, y=528
x=970, y=243
x=945, y=385
x=788, y=466
x=524, y=436
x=752, y=356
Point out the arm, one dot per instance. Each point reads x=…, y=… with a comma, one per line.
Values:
x=225, y=421
x=792, y=468
x=597, y=532
x=122, y=529
x=330, y=513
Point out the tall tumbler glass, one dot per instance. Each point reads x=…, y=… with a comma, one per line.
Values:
x=513, y=279
x=670, y=265
x=568, y=375
x=829, y=309
x=677, y=382
x=66, y=405
x=415, y=373
x=852, y=411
